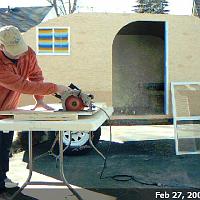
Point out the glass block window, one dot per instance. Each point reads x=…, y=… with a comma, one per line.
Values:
x=53, y=41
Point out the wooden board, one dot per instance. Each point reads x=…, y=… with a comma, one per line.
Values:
x=84, y=123
x=58, y=107
x=50, y=116
x=25, y=113
x=40, y=115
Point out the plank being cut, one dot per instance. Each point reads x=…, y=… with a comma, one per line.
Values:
x=58, y=107
x=25, y=113
x=39, y=115
x=50, y=116
x=84, y=123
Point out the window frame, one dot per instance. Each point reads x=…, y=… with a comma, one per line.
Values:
x=53, y=28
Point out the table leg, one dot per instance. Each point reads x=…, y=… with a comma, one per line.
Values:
x=30, y=166
x=62, y=175
x=60, y=166
x=91, y=143
x=50, y=152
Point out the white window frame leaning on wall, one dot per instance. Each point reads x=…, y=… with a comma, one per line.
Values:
x=185, y=118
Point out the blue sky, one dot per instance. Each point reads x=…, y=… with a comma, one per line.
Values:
x=179, y=7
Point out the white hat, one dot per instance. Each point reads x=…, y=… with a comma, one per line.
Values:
x=13, y=41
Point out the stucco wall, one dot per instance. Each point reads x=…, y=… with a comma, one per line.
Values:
x=90, y=62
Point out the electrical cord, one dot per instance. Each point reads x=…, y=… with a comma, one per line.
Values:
x=126, y=177
x=110, y=142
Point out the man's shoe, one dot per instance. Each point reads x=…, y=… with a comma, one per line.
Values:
x=4, y=196
x=10, y=184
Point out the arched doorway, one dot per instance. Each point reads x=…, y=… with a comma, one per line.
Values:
x=139, y=68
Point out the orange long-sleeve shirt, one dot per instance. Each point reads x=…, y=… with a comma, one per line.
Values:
x=24, y=77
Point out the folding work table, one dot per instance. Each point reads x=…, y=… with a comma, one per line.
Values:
x=84, y=123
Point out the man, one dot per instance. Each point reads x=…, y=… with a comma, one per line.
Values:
x=19, y=73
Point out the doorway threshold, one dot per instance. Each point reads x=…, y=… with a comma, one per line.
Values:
x=141, y=120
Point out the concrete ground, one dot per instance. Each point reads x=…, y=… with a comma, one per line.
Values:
x=145, y=153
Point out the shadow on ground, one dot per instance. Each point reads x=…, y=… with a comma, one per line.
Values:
x=150, y=162
x=20, y=196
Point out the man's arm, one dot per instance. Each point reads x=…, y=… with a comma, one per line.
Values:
x=35, y=73
x=17, y=83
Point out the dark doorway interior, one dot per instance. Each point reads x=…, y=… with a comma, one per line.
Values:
x=138, y=69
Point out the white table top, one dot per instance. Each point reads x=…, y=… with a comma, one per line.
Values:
x=84, y=123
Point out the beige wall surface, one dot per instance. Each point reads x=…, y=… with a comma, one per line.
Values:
x=90, y=63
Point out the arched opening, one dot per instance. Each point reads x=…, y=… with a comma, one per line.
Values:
x=139, y=69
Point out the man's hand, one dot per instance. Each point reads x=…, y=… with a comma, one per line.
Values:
x=62, y=89
x=40, y=104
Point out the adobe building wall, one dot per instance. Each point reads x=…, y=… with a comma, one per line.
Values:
x=89, y=64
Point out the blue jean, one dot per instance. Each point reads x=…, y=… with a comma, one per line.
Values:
x=5, y=145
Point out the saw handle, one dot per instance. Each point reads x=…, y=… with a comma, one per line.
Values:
x=72, y=86
x=57, y=96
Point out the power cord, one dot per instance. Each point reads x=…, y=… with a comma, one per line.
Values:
x=126, y=177
x=109, y=145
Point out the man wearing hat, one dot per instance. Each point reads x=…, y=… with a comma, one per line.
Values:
x=19, y=73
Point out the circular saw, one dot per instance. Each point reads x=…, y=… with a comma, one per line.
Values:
x=75, y=100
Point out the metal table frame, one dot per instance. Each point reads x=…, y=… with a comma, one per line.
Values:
x=85, y=123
